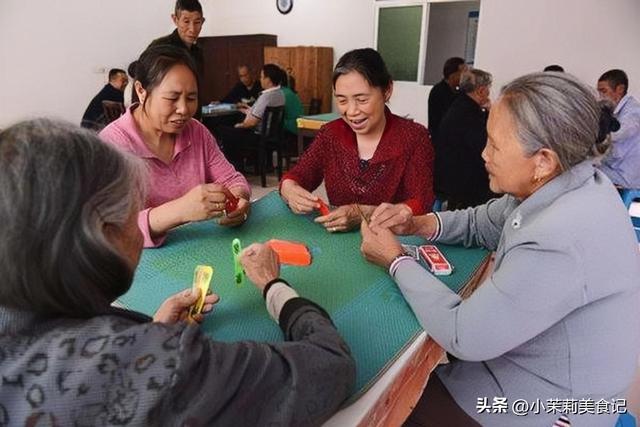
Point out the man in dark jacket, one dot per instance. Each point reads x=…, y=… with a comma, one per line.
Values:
x=442, y=94
x=460, y=175
x=246, y=90
x=93, y=117
x=189, y=20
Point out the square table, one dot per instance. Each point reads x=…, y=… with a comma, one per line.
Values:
x=364, y=303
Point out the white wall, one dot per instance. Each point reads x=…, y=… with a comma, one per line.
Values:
x=514, y=36
x=448, y=24
x=341, y=24
x=51, y=51
x=586, y=37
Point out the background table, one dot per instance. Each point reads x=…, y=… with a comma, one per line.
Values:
x=308, y=127
x=220, y=115
x=364, y=303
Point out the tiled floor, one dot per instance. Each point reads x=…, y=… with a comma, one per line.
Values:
x=257, y=191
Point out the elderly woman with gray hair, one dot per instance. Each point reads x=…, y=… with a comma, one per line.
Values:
x=69, y=244
x=557, y=320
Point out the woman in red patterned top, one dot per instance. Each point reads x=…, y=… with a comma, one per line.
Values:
x=367, y=157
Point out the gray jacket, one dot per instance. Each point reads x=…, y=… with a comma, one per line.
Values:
x=559, y=317
x=118, y=369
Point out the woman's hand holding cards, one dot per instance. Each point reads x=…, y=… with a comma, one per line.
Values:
x=176, y=308
x=299, y=200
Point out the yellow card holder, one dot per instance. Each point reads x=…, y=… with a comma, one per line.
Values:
x=201, y=280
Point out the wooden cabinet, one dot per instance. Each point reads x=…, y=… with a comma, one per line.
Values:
x=223, y=54
x=311, y=67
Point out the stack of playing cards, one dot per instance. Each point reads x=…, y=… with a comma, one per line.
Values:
x=434, y=259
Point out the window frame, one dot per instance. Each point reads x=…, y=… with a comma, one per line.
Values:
x=424, y=28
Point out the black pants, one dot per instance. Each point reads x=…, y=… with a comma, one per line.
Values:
x=436, y=408
x=238, y=144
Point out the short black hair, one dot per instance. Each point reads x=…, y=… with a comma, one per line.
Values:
x=156, y=61
x=451, y=66
x=554, y=67
x=273, y=73
x=114, y=72
x=614, y=78
x=188, y=5
x=368, y=63
x=131, y=70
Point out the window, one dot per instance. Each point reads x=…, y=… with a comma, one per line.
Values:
x=399, y=39
x=415, y=37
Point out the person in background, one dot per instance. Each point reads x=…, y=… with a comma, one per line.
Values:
x=292, y=107
x=368, y=156
x=460, y=176
x=69, y=357
x=130, y=95
x=553, y=320
x=93, y=117
x=246, y=90
x=271, y=96
x=289, y=79
x=622, y=165
x=554, y=67
x=188, y=20
x=247, y=133
x=188, y=174
x=443, y=93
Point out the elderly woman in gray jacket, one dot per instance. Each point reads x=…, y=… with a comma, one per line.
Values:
x=69, y=244
x=555, y=327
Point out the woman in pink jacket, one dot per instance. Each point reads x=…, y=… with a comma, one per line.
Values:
x=189, y=177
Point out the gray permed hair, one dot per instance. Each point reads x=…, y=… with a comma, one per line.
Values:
x=474, y=78
x=558, y=112
x=59, y=186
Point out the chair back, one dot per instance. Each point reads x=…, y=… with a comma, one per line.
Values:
x=315, y=106
x=112, y=110
x=272, y=124
x=271, y=137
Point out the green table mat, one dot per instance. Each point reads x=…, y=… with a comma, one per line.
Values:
x=363, y=301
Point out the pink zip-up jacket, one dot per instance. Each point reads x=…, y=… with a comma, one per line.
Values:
x=197, y=159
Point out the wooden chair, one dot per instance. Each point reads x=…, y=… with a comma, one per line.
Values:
x=315, y=106
x=271, y=139
x=289, y=149
x=112, y=110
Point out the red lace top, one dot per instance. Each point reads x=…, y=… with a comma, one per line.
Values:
x=400, y=171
